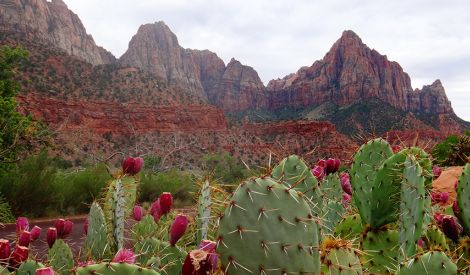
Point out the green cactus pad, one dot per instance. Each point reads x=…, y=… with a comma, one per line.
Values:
x=144, y=229
x=463, y=254
x=115, y=269
x=293, y=171
x=411, y=207
x=119, y=201
x=203, y=212
x=146, y=249
x=463, y=198
x=435, y=239
x=332, y=213
x=367, y=161
x=28, y=268
x=342, y=261
x=380, y=249
x=268, y=227
x=171, y=259
x=96, y=241
x=385, y=200
x=4, y=270
x=350, y=228
x=331, y=189
x=433, y=262
x=60, y=257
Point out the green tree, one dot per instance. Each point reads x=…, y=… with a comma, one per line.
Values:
x=17, y=132
x=225, y=167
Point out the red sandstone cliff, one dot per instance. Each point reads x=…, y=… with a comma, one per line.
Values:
x=51, y=23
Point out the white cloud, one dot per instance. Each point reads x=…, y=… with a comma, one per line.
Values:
x=429, y=38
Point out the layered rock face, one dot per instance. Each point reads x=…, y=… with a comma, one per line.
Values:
x=350, y=72
x=51, y=23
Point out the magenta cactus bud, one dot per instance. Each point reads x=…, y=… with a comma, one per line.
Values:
x=178, y=228
x=438, y=218
x=318, y=172
x=321, y=162
x=85, y=226
x=51, y=236
x=4, y=250
x=45, y=271
x=19, y=255
x=451, y=228
x=25, y=238
x=124, y=256
x=132, y=166
x=59, y=225
x=35, y=233
x=197, y=263
x=346, y=185
x=346, y=200
x=396, y=148
x=444, y=197
x=22, y=224
x=138, y=212
x=209, y=247
x=337, y=164
x=436, y=170
x=155, y=210
x=166, y=200
x=68, y=226
x=330, y=166
x=421, y=243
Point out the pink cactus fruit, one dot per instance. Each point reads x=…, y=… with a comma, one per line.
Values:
x=137, y=212
x=436, y=171
x=178, y=228
x=166, y=201
x=4, y=250
x=396, y=148
x=438, y=218
x=45, y=271
x=25, y=238
x=345, y=183
x=35, y=233
x=451, y=228
x=155, y=210
x=210, y=246
x=318, y=172
x=330, y=166
x=22, y=224
x=124, y=256
x=337, y=164
x=132, y=166
x=19, y=255
x=444, y=197
x=68, y=226
x=59, y=225
x=346, y=200
x=321, y=162
x=51, y=236
x=201, y=261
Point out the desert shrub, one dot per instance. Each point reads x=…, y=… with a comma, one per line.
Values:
x=77, y=189
x=5, y=212
x=225, y=168
x=441, y=150
x=179, y=183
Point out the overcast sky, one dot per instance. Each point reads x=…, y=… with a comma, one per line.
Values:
x=430, y=39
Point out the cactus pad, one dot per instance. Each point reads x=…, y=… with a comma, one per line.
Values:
x=27, y=268
x=96, y=242
x=463, y=198
x=203, y=212
x=60, y=257
x=367, y=161
x=380, y=250
x=435, y=239
x=115, y=269
x=342, y=261
x=433, y=262
x=265, y=227
x=350, y=228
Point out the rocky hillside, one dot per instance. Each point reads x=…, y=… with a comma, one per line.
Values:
x=164, y=99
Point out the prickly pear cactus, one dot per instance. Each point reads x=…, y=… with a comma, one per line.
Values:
x=119, y=201
x=171, y=259
x=350, y=227
x=435, y=239
x=60, y=257
x=331, y=188
x=463, y=254
x=28, y=268
x=145, y=228
x=114, y=269
x=332, y=213
x=203, y=212
x=341, y=260
x=96, y=242
x=433, y=262
x=293, y=172
x=367, y=161
x=411, y=216
x=267, y=226
x=146, y=249
x=380, y=249
x=463, y=198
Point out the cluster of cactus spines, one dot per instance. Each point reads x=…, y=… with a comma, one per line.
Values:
x=339, y=257
x=119, y=201
x=60, y=257
x=411, y=206
x=367, y=162
x=203, y=212
x=96, y=242
x=380, y=247
x=463, y=198
x=268, y=227
x=114, y=268
x=432, y=262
